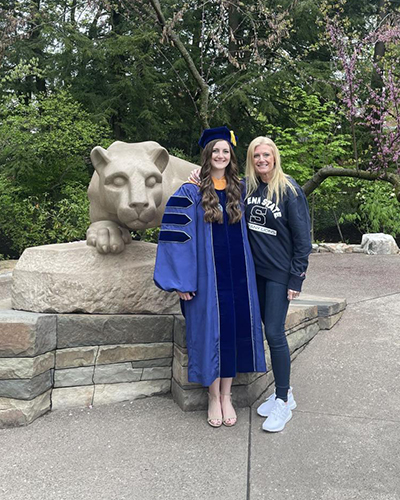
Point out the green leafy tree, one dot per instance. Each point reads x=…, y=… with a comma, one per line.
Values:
x=46, y=142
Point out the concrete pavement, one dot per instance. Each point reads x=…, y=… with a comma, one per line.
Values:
x=342, y=443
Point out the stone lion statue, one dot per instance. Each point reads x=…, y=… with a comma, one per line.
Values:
x=129, y=189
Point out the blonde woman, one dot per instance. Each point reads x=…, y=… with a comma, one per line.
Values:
x=203, y=254
x=278, y=224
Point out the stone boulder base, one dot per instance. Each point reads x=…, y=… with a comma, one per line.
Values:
x=72, y=277
x=379, y=244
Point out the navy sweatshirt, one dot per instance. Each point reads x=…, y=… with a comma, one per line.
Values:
x=280, y=235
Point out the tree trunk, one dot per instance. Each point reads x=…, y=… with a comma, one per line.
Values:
x=202, y=85
x=379, y=51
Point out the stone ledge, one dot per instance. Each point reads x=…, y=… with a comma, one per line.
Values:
x=25, y=368
x=303, y=336
x=98, y=329
x=26, y=388
x=299, y=314
x=71, y=377
x=327, y=306
x=121, y=353
x=76, y=357
x=73, y=278
x=116, y=393
x=17, y=412
x=108, y=374
x=330, y=321
x=72, y=397
x=24, y=334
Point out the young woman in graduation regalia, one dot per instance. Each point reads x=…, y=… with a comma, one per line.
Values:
x=203, y=254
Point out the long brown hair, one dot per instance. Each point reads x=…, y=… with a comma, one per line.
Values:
x=210, y=200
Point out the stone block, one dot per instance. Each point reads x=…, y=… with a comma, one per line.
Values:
x=157, y=373
x=73, y=277
x=116, y=373
x=246, y=378
x=72, y=397
x=14, y=368
x=189, y=399
x=17, y=412
x=115, y=393
x=26, y=334
x=26, y=388
x=299, y=314
x=180, y=331
x=379, y=244
x=180, y=374
x=149, y=363
x=92, y=330
x=73, y=377
x=326, y=305
x=245, y=395
x=5, y=304
x=330, y=321
x=304, y=324
x=5, y=285
x=302, y=337
x=76, y=357
x=181, y=355
x=135, y=352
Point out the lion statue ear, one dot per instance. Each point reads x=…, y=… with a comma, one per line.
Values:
x=160, y=158
x=99, y=157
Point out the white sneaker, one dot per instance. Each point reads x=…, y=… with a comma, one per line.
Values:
x=280, y=415
x=264, y=410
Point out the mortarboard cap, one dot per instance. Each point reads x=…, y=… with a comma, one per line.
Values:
x=221, y=133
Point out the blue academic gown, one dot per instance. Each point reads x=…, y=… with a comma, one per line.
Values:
x=223, y=324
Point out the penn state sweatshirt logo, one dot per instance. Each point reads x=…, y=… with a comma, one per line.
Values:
x=258, y=214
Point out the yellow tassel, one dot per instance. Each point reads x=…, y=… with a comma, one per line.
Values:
x=233, y=138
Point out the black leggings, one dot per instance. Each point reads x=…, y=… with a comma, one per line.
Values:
x=274, y=306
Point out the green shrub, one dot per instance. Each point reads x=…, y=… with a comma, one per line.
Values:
x=377, y=210
x=27, y=221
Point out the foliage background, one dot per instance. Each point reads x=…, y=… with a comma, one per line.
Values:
x=80, y=73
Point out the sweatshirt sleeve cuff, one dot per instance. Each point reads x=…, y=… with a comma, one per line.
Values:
x=295, y=282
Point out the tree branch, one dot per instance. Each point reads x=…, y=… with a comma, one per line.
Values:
x=325, y=172
x=204, y=89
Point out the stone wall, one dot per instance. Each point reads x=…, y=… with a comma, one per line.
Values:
x=27, y=353
x=58, y=361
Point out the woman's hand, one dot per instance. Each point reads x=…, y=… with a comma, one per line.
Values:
x=292, y=294
x=195, y=176
x=186, y=295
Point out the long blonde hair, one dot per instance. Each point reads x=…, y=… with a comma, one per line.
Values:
x=279, y=183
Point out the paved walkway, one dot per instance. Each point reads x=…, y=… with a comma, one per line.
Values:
x=343, y=441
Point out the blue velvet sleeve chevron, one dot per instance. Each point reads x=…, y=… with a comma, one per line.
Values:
x=176, y=261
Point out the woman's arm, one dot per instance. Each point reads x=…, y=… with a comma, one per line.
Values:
x=299, y=224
